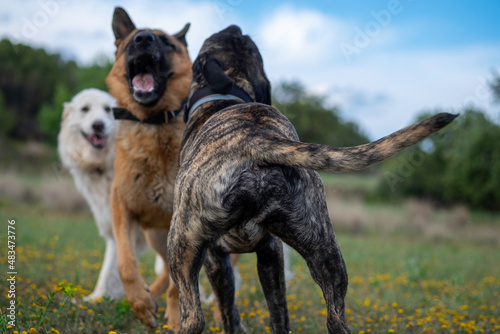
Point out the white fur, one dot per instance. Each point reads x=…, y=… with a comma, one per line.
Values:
x=92, y=171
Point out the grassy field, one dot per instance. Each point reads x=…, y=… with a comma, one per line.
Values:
x=412, y=268
x=398, y=284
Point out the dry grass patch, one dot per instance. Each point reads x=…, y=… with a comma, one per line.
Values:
x=413, y=218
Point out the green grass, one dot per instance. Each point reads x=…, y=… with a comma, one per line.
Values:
x=397, y=284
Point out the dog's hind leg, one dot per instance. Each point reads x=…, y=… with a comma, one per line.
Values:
x=317, y=244
x=157, y=240
x=220, y=274
x=185, y=256
x=270, y=267
x=328, y=270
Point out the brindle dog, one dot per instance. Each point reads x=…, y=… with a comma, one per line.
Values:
x=246, y=181
x=150, y=80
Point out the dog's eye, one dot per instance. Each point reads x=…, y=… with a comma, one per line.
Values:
x=166, y=42
x=107, y=109
x=85, y=109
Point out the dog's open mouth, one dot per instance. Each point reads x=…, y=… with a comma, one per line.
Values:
x=97, y=140
x=145, y=80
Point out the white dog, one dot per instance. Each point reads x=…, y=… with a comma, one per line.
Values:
x=86, y=145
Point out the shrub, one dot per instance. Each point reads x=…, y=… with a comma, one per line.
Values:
x=459, y=164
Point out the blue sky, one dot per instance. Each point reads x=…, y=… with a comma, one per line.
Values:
x=381, y=62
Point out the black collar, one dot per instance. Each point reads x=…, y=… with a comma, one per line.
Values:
x=207, y=91
x=156, y=118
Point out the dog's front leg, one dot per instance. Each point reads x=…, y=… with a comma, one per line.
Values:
x=270, y=266
x=220, y=273
x=136, y=289
x=157, y=239
x=108, y=283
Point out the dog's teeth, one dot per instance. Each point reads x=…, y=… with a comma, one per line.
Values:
x=150, y=89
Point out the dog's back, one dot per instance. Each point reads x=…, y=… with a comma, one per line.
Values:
x=258, y=165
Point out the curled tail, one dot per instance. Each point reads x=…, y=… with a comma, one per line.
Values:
x=283, y=151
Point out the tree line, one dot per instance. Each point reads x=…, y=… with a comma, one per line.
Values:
x=33, y=86
x=459, y=164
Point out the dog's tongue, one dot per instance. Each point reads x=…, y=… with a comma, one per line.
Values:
x=97, y=140
x=143, y=82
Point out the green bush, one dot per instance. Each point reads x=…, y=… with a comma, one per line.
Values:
x=459, y=164
x=313, y=120
x=7, y=118
x=34, y=83
x=49, y=116
x=28, y=78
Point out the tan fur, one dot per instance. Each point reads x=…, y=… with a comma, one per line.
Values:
x=145, y=169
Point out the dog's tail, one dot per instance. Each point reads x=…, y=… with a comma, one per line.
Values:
x=279, y=150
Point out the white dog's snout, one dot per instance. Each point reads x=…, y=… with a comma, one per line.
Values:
x=98, y=126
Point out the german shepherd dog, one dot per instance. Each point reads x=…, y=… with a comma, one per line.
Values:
x=150, y=80
x=246, y=181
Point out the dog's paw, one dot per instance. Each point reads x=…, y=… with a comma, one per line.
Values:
x=144, y=308
x=93, y=297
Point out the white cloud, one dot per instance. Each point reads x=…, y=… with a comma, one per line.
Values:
x=295, y=37
x=383, y=87
x=398, y=85
x=74, y=28
x=82, y=30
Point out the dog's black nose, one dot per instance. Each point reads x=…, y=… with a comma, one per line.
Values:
x=144, y=38
x=98, y=126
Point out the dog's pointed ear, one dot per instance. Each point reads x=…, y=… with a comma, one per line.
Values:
x=122, y=24
x=181, y=35
x=216, y=78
